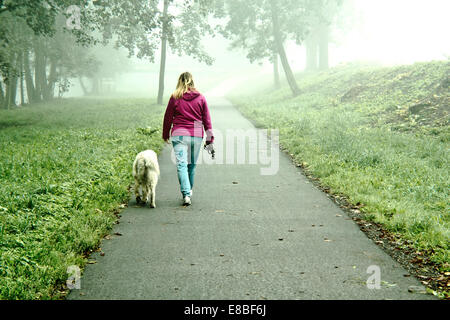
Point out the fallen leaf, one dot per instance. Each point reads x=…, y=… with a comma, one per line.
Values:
x=220, y=211
x=417, y=289
x=117, y=233
x=92, y=262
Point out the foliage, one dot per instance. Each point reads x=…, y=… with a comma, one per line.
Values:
x=138, y=26
x=262, y=26
x=64, y=170
x=250, y=26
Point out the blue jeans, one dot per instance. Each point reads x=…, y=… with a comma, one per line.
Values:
x=186, y=150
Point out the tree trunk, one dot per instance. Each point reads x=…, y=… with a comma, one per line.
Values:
x=11, y=85
x=2, y=95
x=83, y=87
x=22, y=95
x=31, y=92
x=39, y=71
x=162, y=67
x=284, y=61
x=323, y=47
x=11, y=92
x=276, y=73
x=311, y=53
x=52, y=78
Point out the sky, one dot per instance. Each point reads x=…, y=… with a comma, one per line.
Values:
x=398, y=32
x=388, y=32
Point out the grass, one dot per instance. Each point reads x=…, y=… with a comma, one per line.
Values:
x=378, y=136
x=64, y=171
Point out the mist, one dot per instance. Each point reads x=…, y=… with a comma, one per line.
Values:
x=373, y=32
x=397, y=32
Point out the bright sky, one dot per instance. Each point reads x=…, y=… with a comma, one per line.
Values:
x=399, y=31
x=389, y=32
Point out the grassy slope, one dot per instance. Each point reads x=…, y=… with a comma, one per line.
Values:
x=378, y=136
x=64, y=170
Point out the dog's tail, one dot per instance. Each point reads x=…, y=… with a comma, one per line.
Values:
x=140, y=168
x=143, y=167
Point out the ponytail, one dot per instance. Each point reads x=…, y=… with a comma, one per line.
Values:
x=185, y=84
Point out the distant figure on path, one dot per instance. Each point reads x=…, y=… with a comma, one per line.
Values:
x=187, y=114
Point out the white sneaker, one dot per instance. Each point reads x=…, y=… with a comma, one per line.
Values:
x=187, y=201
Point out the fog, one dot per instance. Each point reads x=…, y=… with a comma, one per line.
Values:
x=382, y=32
x=397, y=32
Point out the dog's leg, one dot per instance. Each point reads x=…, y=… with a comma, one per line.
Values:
x=145, y=193
x=153, y=195
x=137, y=191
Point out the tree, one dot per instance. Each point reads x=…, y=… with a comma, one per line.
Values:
x=278, y=38
x=142, y=27
x=261, y=27
x=324, y=18
x=139, y=26
x=27, y=34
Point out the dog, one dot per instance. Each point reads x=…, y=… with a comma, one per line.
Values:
x=146, y=175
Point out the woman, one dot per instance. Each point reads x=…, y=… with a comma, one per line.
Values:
x=187, y=114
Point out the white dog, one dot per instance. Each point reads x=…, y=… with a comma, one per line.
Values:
x=146, y=174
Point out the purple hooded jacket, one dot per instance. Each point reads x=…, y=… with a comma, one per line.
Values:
x=188, y=116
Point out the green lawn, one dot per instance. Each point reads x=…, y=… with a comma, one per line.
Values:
x=379, y=136
x=64, y=170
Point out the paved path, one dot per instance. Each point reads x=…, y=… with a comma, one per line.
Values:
x=246, y=236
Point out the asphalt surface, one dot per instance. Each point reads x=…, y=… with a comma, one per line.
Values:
x=245, y=236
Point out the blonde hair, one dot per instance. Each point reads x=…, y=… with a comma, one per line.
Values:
x=185, y=84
